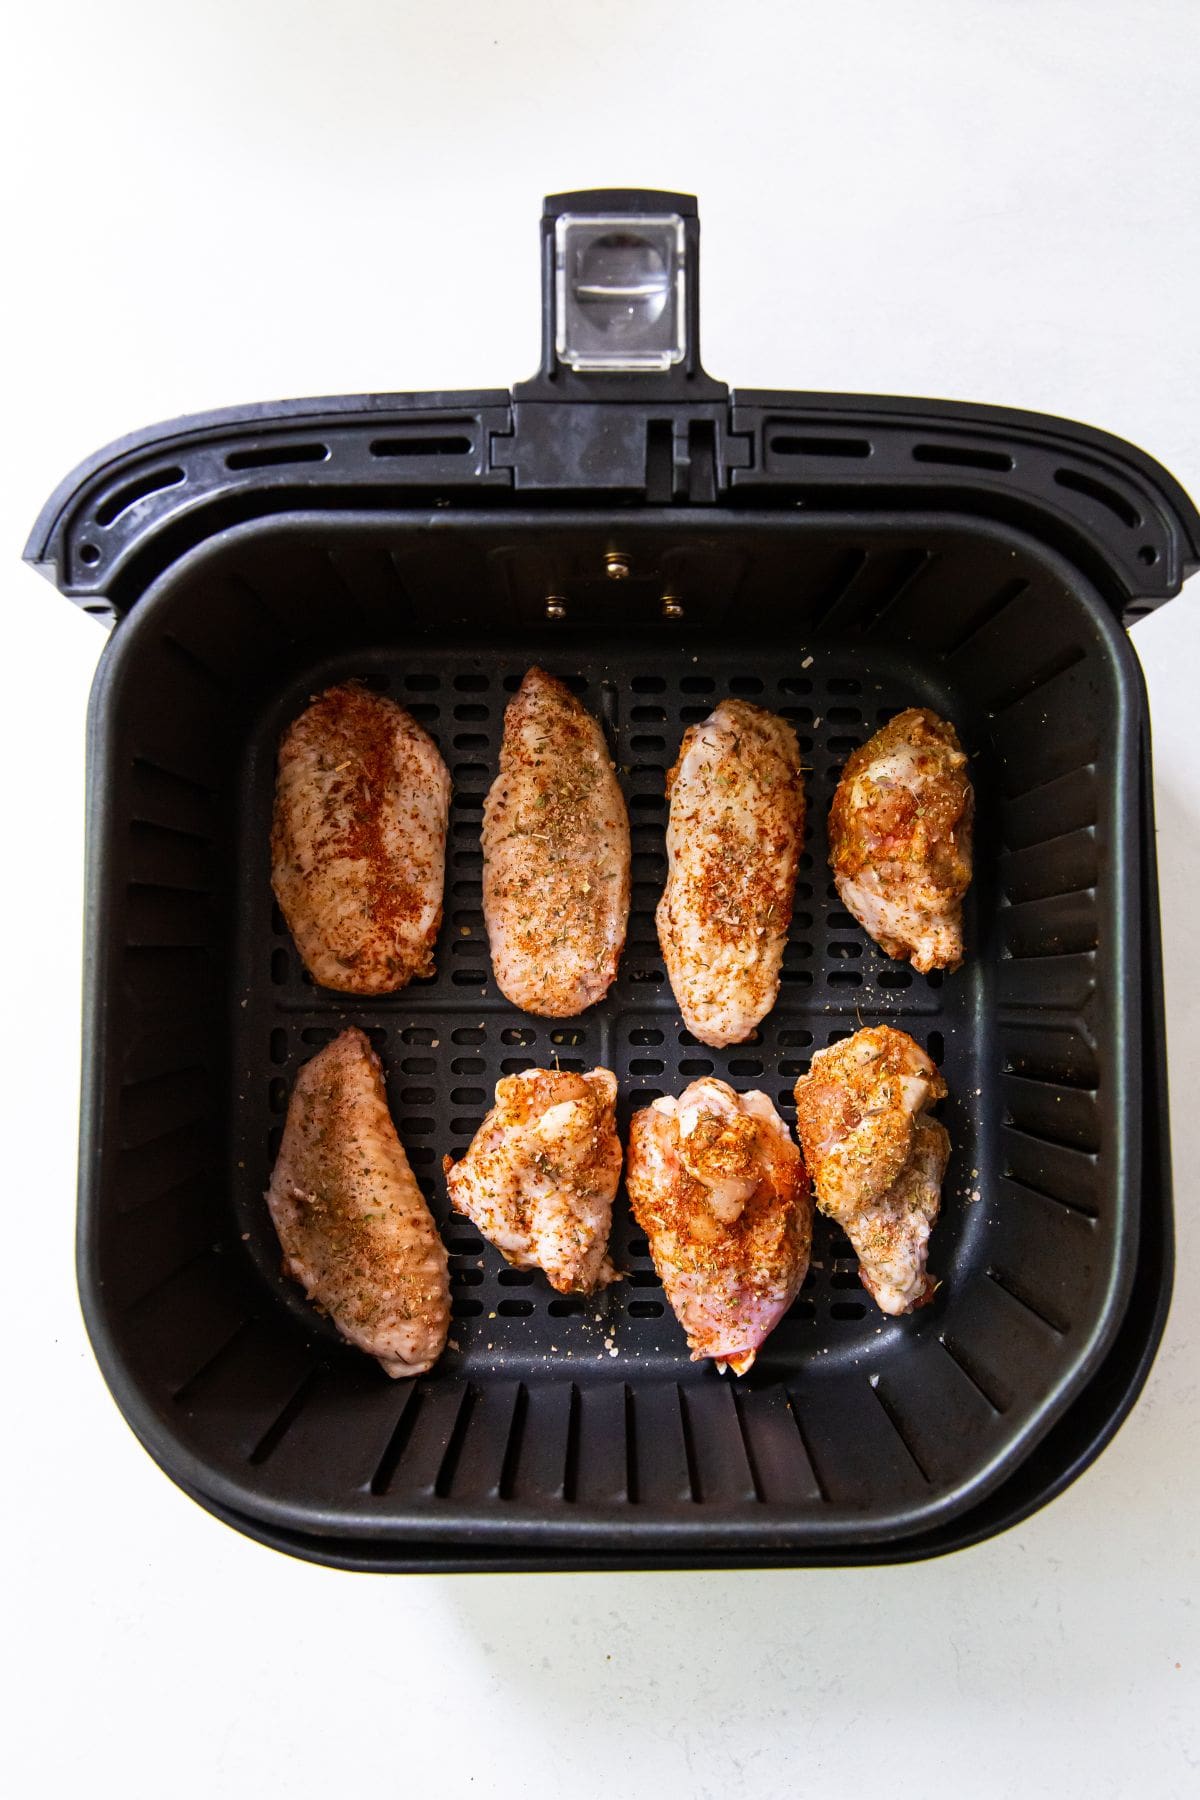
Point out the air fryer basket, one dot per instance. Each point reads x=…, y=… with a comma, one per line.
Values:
x=249, y=567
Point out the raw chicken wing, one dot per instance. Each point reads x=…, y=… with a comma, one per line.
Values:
x=355, y=1229
x=539, y=1178
x=555, y=855
x=358, y=844
x=733, y=845
x=876, y=1157
x=720, y=1190
x=900, y=838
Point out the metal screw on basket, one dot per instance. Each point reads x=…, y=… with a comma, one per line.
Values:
x=616, y=566
x=556, y=606
x=672, y=607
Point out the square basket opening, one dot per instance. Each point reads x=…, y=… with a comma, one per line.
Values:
x=578, y=1421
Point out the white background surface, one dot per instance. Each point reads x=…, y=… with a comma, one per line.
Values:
x=241, y=199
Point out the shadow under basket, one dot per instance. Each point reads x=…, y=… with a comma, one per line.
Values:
x=657, y=542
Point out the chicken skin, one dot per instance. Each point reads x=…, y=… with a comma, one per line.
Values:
x=555, y=855
x=734, y=837
x=355, y=1229
x=358, y=843
x=876, y=1157
x=540, y=1176
x=900, y=839
x=720, y=1191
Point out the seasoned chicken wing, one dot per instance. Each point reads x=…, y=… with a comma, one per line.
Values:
x=355, y=1229
x=539, y=1178
x=358, y=844
x=876, y=1157
x=555, y=855
x=900, y=838
x=734, y=837
x=720, y=1191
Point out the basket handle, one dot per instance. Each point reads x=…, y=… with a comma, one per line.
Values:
x=620, y=298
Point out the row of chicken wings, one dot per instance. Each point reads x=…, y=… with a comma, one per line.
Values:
x=715, y=1181
x=359, y=837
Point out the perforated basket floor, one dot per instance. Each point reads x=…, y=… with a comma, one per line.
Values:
x=563, y=1420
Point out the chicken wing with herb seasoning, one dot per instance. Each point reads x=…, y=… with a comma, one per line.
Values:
x=555, y=855
x=877, y=1158
x=900, y=839
x=539, y=1178
x=358, y=843
x=721, y=1192
x=355, y=1229
x=734, y=838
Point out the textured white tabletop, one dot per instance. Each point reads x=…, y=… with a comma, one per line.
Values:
x=248, y=198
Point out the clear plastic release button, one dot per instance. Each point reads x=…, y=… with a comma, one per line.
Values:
x=619, y=291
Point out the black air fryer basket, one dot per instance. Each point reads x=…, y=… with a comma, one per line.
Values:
x=656, y=540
